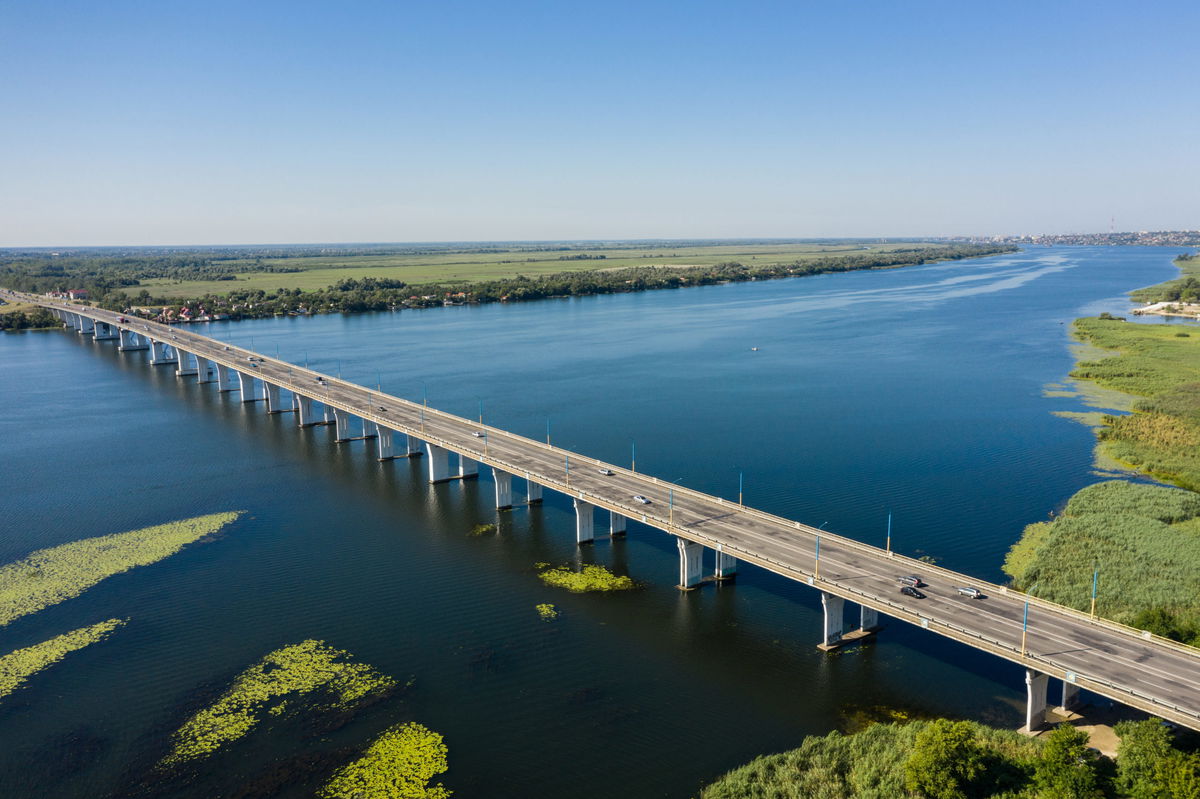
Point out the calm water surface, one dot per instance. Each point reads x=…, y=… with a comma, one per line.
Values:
x=917, y=391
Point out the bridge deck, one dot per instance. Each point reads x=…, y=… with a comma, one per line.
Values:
x=1131, y=667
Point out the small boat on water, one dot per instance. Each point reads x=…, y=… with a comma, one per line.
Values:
x=754, y=349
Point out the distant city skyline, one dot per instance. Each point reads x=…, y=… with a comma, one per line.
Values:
x=303, y=122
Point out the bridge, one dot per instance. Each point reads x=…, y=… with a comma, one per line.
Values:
x=1129, y=666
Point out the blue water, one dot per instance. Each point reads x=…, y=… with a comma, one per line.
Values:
x=914, y=391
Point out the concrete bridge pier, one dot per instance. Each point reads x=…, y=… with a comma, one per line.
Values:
x=104, y=332
x=370, y=429
x=342, y=429
x=868, y=619
x=304, y=410
x=329, y=415
x=86, y=325
x=204, y=368
x=131, y=341
x=585, y=531
x=385, y=443
x=270, y=393
x=726, y=566
x=439, y=463
x=503, y=482
x=246, y=386
x=467, y=467
x=834, y=625
x=533, y=491
x=227, y=379
x=691, y=564
x=616, y=524
x=1070, y=697
x=69, y=320
x=188, y=364
x=161, y=353
x=413, y=446
x=1036, y=686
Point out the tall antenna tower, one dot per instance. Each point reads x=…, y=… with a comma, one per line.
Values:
x=1112, y=224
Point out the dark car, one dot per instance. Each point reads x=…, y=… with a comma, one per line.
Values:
x=908, y=590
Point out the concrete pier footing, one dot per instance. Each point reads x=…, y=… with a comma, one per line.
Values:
x=616, y=524
x=270, y=393
x=467, y=467
x=726, y=566
x=227, y=379
x=585, y=530
x=161, y=353
x=834, y=621
x=1036, y=688
x=305, y=413
x=439, y=463
x=533, y=491
x=503, y=482
x=342, y=426
x=246, y=385
x=691, y=563
x=385, y=443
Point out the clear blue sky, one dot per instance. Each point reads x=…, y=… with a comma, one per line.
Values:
x=166, y=122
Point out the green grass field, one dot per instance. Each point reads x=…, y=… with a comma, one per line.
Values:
x=322, y=271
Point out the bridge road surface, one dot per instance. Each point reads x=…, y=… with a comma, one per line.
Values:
x=1132, y=667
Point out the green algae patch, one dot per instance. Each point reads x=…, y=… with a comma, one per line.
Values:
x=50, y=576
x=482, y=529
x=398, y=765
x=264, y=688
x=18, y=666
x=587, y=579
x=547, y=611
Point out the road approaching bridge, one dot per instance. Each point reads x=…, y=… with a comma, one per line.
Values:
x=1133, y=667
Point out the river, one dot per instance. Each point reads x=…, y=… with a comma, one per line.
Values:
x=916, y=392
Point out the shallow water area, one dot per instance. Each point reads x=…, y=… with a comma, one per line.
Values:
x=918, y=392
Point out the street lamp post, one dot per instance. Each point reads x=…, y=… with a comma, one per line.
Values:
x=889, y=533
x=1025, y=621
x=567, y=464
x=817, y=560
x=1095, y=585
x=633, y=456
x=547, y=431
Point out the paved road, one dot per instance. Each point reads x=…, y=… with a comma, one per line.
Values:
x=1149, y=673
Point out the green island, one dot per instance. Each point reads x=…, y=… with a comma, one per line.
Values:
x=17, y=666
x=547, y=611
x=398, y=765
x=1119, y=532
x=49, y=576
x=309, y=667
x=584, y=580
x=259, y=282
x=943, y=759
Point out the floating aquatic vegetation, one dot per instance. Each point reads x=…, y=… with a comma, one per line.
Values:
x=50, y=576
x=547, y=611
x=482, y=529
x=18, y=666
x=303, y=668
x=398, y=765
x=589, y=578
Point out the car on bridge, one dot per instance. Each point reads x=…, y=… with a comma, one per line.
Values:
x=966, y=590
x=606, y=472
x=908, y=590
x=641, y=499
x=911, y=580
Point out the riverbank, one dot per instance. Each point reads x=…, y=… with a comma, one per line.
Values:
x=944, y=758
x=1112, y=535
x=352, y=294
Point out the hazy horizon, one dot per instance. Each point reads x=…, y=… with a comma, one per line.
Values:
x=199, y=124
